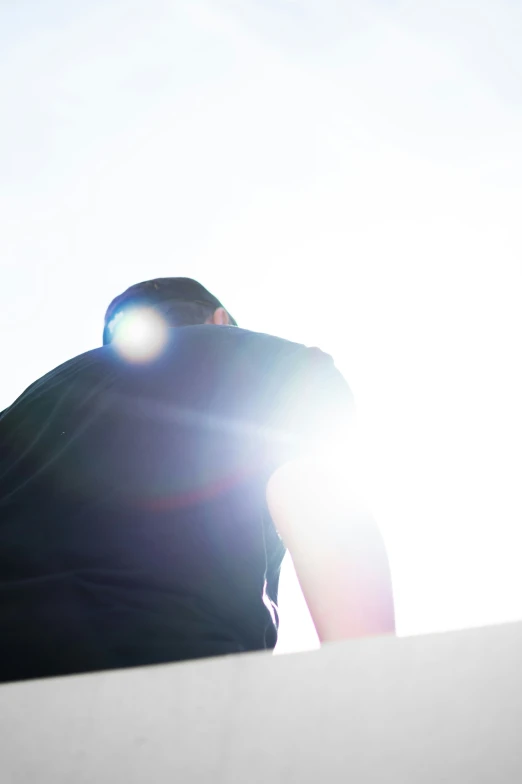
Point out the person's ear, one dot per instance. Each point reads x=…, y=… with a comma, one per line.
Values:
x=220, y=317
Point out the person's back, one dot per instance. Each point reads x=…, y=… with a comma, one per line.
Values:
x=134, y=520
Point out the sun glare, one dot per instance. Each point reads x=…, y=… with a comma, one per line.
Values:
x=140, y=334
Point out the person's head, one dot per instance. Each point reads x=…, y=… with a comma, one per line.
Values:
x=180, y=302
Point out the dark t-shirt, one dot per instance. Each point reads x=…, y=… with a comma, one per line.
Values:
x=133, y=522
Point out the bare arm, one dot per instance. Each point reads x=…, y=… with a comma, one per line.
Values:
x=336, y=547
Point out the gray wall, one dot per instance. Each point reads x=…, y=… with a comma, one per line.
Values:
x=436, y=708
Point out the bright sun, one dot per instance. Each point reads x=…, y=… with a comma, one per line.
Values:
x=139, y=334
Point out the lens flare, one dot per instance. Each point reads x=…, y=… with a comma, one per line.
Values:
x=139, y=335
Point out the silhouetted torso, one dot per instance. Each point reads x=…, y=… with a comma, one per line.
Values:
x=134, y=527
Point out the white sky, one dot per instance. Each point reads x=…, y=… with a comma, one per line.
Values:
x=343, y=174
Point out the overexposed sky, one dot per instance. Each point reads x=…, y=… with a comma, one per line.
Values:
x=343, y=174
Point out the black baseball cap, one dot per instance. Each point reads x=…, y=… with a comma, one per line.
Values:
x=151, y=292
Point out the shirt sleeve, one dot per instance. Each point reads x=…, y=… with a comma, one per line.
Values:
x=313, y=410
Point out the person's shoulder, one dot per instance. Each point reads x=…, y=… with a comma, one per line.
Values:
x=284, y=348
x=64, y=373
x=99, y=357
x=237, y=337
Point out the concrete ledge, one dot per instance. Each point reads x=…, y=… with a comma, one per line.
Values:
x=436, y=708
